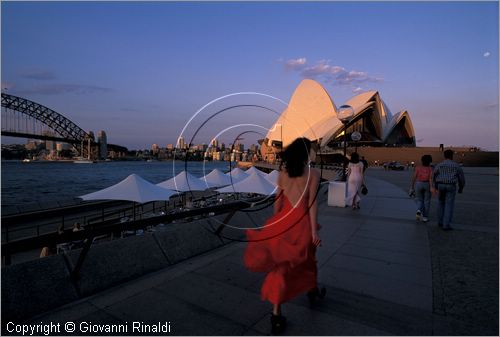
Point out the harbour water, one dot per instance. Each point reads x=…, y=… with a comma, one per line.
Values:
x=45, y=184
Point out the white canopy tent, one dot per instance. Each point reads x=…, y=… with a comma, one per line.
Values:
x=216, y=178
x=272, y=177
x=132, y=188
x=253, y=169
x=254, y=183
x=184, y=182
x=237, y=174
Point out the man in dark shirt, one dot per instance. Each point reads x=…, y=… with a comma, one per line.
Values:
x=447, y=175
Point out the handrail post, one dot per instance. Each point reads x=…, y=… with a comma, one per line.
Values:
x=76, y=271
x=225, y=222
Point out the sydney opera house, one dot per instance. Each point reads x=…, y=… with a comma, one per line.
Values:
x=312, y=113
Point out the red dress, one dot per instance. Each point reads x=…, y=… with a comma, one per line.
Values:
x=284, y=250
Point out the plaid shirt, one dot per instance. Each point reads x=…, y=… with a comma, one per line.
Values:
x=449, y=172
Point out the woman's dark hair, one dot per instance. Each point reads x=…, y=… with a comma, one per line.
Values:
x=295, y=156
x=354, y=158
x=426, y=159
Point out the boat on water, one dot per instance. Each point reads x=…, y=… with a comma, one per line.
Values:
x=80, y=160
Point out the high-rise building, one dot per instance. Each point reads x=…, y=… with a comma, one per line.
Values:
x=214, y=143
x=32, y=145
x=155, y=148
x=63, y=147
x=49, y=144
x=102, y=139
x=181, y=144
x=170, y=146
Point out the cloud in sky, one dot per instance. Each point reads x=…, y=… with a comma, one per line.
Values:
x=295, y=64
x=357, y=89
x=487, y=54
x=38, y=74
x=57, y=89
x=334, y=74
x=491, y=106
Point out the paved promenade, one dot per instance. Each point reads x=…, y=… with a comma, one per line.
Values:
x=375, y=263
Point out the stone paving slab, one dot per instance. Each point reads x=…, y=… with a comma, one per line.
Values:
x=382, y=315
x=378, y=286
x=228, y=301
x=390, y=256
x=153, y=306
x=304, y=321
x=390, y=245
x=393, y=207
x=384, y=269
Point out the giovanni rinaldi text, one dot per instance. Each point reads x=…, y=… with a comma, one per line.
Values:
x=87, y=327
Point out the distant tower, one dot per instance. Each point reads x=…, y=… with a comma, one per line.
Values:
x=180, y=143
x=103, y=145
x=49, y=144
x=155, y=148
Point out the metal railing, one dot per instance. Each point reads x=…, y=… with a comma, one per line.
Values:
x=98, y=226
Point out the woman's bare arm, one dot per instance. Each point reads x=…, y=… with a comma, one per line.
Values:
x=313, y=206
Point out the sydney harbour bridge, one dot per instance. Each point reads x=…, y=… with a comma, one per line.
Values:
x=27, y=119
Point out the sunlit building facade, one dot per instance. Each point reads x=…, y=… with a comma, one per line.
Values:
x=312, y=113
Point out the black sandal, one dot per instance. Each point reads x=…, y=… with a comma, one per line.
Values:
x=278, y=324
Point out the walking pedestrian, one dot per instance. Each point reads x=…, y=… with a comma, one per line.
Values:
x=423, y=187
x=447, y=175
x=285, y=248
x=355, y=180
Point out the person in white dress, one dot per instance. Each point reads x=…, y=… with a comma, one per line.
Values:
x=355, y=180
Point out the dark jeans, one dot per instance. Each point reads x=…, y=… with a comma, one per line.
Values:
x=447, y=194
x=423, y=195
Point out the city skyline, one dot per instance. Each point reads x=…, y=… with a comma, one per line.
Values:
x=140, y=71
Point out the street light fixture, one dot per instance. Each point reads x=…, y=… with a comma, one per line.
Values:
x=356, y=136
x=345, y=114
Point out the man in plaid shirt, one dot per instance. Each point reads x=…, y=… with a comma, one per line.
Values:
x=446, y=176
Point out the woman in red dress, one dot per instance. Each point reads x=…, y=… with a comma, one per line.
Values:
x=285, y=247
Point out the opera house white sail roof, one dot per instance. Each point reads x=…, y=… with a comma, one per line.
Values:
x=312, y=113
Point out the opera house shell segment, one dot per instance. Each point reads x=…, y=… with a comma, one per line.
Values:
x=311, y=113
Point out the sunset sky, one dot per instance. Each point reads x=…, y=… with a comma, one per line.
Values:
x=140, y=70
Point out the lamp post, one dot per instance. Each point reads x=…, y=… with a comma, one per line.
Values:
x=356, y=136
x=345, y=114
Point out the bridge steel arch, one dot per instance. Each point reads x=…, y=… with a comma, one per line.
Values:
x=60, y=124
